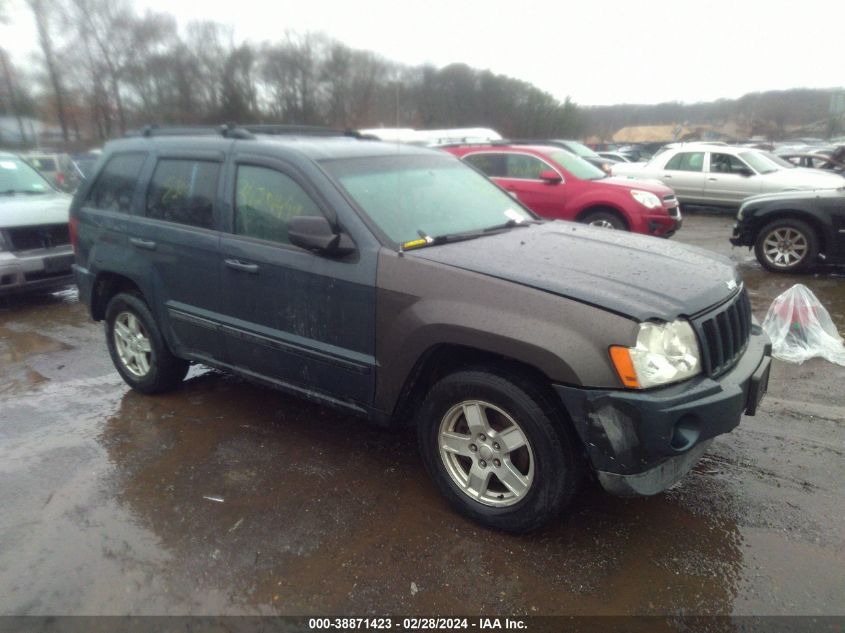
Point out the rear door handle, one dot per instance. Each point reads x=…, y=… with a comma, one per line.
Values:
x=237, y=264
x=145, y=244
x=713, y=179
x=667, y=175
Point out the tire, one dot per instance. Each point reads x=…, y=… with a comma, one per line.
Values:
x=605, y=219
x=160, y=370
x=786, y=246
x=549, y=462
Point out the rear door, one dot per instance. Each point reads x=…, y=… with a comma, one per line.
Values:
x=729, y=179
x=684, y=172
x=176, y=233
x=296, y=317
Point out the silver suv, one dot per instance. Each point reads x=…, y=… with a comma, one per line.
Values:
x=35, y=251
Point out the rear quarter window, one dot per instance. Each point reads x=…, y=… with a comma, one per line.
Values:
x=116, y=183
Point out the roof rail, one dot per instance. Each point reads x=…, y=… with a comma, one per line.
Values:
x=235, y=131
x=286, y=129
x=228, y=130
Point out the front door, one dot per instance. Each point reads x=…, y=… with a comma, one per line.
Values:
x=299, y=318
x=729, y=179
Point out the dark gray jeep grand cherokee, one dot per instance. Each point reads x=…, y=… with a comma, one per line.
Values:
x=401, y=285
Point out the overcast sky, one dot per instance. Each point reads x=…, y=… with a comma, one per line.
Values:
x=596, y=51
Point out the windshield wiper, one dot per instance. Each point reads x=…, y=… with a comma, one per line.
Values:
x=428, y=240
x=9, y=192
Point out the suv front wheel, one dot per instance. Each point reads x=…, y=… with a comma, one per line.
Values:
x=495, y=448
x=137, y=348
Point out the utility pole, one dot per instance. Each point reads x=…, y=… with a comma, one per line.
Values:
x=10, y=88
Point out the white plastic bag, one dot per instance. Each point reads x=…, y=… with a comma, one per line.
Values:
x=801, y=328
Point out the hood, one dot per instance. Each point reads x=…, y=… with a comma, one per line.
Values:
x=633, y=275
x=652, y=186
x=29, y=210
x=793, y=196
x=803, y=179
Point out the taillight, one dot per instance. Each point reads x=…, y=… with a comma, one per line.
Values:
x=72, y=227
x=60, y=178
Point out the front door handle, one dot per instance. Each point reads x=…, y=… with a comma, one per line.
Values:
x=713, y=179
x=667, y=175
x=145, y=244
x=237, y=264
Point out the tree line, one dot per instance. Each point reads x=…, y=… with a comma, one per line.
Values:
x=103, y=68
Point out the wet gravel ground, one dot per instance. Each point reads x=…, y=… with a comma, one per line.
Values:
x=228, y=498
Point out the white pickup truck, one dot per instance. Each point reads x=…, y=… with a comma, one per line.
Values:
x=35, y=249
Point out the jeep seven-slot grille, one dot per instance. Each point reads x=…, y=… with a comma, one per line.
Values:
x=723, y=334
x=30, y=237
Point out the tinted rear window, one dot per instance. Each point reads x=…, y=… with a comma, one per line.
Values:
x=183, y=191
x=116, y=183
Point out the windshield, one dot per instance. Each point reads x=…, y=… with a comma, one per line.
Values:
x=764, y=163
x=579, y=149
x=409, y=197
x=18, y=177
x=577, y=166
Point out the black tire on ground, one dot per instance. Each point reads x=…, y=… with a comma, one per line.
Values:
x=804, y=234
x=608, y=219
x=558, y=465
x=166, y=371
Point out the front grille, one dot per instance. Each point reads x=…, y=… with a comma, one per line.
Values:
x=723, y=334
x=669, y=196
x=46, y=236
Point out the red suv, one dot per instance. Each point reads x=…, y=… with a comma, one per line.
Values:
x=556, y=184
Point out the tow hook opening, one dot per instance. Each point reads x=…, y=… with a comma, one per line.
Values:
x=685, y=434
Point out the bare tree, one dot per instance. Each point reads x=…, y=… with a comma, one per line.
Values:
x=41, y=12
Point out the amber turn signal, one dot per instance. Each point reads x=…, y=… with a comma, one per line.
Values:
x=621, y=357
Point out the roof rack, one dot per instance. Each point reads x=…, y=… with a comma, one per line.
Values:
x=229, y=130
x=243, y=132
x=296, y=130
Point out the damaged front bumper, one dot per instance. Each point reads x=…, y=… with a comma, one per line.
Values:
x=642, y=442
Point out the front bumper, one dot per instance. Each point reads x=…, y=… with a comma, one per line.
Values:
x=742, y=235
x=642, y=442
x=37, y=269
x=665, y=225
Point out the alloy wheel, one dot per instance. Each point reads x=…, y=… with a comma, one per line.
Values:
x=133, y=344
x=486, y=453
x=785, y=247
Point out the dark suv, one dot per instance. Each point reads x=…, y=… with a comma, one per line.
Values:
x=400, y=285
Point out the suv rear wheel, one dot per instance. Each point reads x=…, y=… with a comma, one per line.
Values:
x=786, y=246
x=496, y=451
x=137, y=348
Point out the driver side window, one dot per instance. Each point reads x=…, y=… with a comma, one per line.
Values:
x=727, y=164
x=265, y=199
x=525, y=167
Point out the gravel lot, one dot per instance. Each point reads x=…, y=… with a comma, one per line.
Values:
x=228, y=498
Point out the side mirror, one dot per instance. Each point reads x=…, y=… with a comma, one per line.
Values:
x=315, y=233
x=550, y=176
x=746, y=172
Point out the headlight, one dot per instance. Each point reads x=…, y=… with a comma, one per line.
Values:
x=739, y=213
x=664, y=353
x=648, y=200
